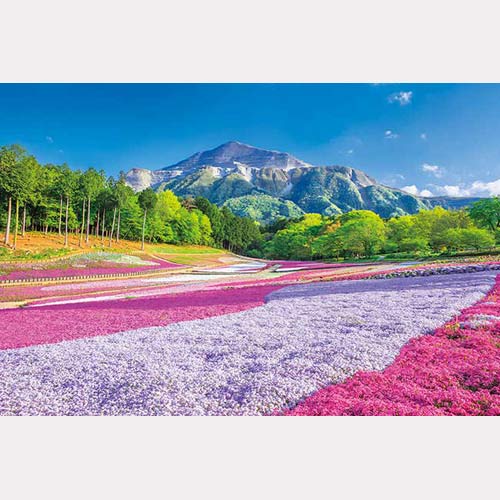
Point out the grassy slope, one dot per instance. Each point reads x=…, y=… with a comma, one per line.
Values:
x=40, y=246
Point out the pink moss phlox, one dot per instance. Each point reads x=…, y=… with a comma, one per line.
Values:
x=455, y=371
x=90, y=269
x=23, y=327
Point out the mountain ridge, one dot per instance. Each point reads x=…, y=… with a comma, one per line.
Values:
x=265, y=184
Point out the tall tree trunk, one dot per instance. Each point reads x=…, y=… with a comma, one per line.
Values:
x=16, y=224
x=24, y=221
x=66, y=223
x=112, y=227
x=143, y=228
x=103, y=223
x=9, y=217
x=82, y=229
x=118, y=226
x=88, y=222
x=60, y=213
x=97, y=224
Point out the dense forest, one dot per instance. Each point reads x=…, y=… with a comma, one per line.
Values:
x=362, y=233
x=55, y=198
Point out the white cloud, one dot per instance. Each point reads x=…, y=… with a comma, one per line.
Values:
x=411, y=189
x=426, y=193
x=491, y=188
x=453, y=191
x=478, y=189
x=416, y=192
x=435, y=170
x=403, y=98
x=389, y=134
x=423, y=136
x=49, y=139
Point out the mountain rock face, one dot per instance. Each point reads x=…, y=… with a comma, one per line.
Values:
x=266, y=184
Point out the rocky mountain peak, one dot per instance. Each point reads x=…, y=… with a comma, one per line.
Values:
x=232, y=153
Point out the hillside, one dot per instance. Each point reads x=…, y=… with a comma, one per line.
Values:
x=264, y=184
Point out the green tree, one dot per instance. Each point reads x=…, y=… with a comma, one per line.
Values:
x=10, y=178
x=417, y=244
x=401, y=228
x=147, y=201
x=362, y=232
x=486, y=213
x=69, y=181
x=476, y=238
x=92, y=183
x=122, y=192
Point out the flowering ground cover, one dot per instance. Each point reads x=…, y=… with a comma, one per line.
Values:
x=430, y=269
x=39, y=325
x=152, y=287
x=17, y=293
x=240, y=267
x=298, y=265
x=456, y=371
x=245, y=357
x=136, y=287
x=91, y=264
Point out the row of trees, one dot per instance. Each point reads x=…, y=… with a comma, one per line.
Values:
x=362, y=233
x=55, y=198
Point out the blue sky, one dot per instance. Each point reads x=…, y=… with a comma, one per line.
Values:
x=426, y=138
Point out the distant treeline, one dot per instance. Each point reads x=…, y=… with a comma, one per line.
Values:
x=55, y=198
x=362, y=233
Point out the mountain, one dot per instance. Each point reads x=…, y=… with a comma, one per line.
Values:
x=265, y=184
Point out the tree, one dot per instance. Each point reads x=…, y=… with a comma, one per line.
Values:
x=122, y=193
x=327, y=245
x=216, y=219
x=10, y=180
x=17, y=171
x=147, y=201
x=92, y=184
x=289, y=244
x=417, y=244
x=205, y=228
x=401, y=228
x=362, y=232
x=486, y=213
x=68, y=184
x=476, y=238
x=26, y=174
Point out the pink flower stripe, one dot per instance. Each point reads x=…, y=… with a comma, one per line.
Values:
x=455, y=371
x=94, y=269
x=51, y=324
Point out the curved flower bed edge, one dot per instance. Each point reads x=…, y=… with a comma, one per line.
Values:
x=454, y=371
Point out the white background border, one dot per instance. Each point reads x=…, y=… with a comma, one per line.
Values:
x=242, y=41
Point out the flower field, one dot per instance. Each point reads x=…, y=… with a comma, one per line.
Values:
x=317, y=341
x=456, y=371
x=87, y=264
